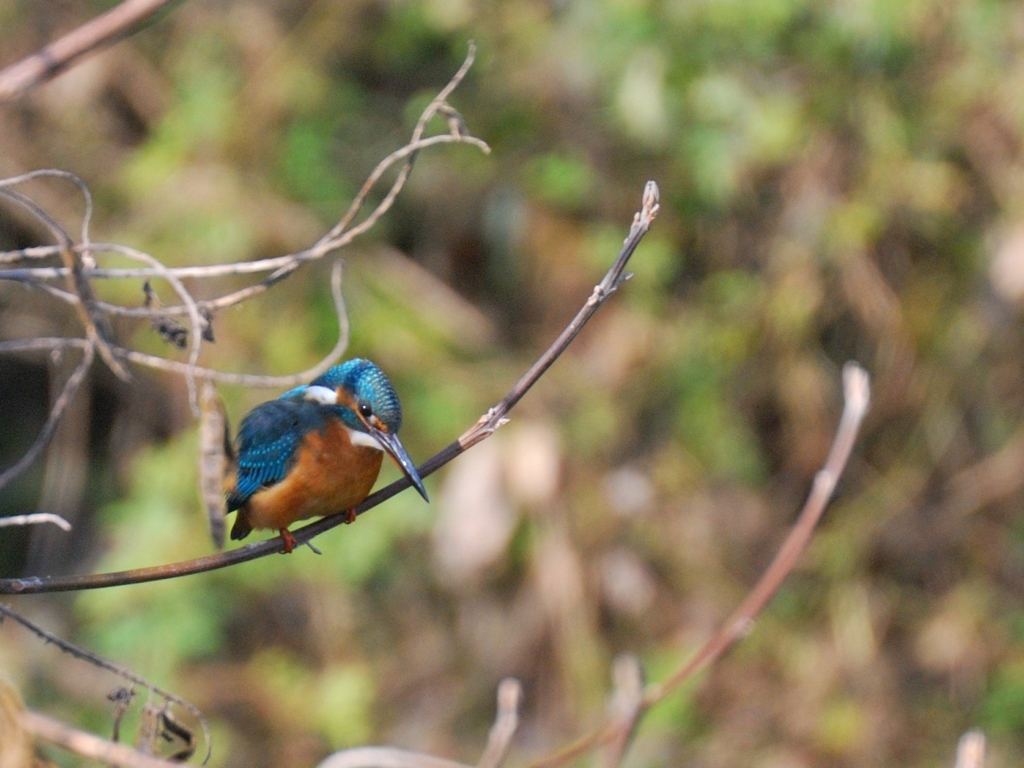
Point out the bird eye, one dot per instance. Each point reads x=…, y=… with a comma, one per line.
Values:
x=365, y=410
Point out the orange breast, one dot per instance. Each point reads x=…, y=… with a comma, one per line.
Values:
x=330, y=475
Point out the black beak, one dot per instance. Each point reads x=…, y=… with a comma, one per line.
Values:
x=394, y=447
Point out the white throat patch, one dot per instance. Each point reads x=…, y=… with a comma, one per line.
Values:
x=361, y=438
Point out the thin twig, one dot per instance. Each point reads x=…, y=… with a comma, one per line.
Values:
x=97, y=326
x=87, y=744
x=57, y=56
x=970, y=751
x=615, y=277
x=385, y=757
x=98, y=661
x=482, y=429
x=195, y=317
x=36, y=518
x=323, y=247
x=625, y=708
x=60, y=405
x=408, y=151
x=857, y=394
x=256, y=380
x=856, y=391
x=506, y=721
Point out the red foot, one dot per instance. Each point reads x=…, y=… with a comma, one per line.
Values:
x=350, y=516
x=289, y=541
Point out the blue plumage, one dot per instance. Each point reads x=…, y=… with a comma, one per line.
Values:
x=368, y=386
x=268, y=439
x=303, y=455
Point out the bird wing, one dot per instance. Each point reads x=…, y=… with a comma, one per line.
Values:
x=268, y=441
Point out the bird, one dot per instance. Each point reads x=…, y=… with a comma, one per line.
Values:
x=316, y=451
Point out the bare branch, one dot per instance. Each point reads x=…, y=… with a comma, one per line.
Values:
x=35, y=519
x=625, y=708
x=98, y=661
x=385, y=757
x=88, y=744
x=856, y=391
x=97, y=326
x=60, y=405
x=485, y=426
x=506, y=721
x=57, y=56
x=409, y=151
x=254, y=380
x=615, y=277
x=970, y=751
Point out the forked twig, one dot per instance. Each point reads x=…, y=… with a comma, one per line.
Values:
x=487, y=424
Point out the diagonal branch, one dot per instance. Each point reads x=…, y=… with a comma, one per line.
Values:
x=486, y=426
x=55, y=57
x=857, y=395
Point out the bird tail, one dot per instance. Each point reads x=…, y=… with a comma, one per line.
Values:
x=241, y=528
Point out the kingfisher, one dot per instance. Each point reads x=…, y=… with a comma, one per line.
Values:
x=316, y=450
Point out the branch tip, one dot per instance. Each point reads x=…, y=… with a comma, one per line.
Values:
x=970, y=751
x=856, y=387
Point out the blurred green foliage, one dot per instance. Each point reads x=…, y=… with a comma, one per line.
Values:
x=839, y=181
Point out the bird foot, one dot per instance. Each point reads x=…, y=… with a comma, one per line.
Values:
x=350, y=516
x=289, y=541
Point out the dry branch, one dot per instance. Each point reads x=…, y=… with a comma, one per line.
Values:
x=88, y=744
x=35, y=519
x=80, y=269
x=59, y=406
x=506, y=721
x=386, y=757
x=483, y=428
x=857, y=395
x=98, y=661
x=55, y=57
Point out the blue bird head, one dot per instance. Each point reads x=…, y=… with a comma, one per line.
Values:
x=365, y=401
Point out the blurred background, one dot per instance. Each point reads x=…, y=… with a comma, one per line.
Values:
x=840, y=180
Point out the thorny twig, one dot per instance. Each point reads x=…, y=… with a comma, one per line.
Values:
x=55, y=57
x=486, y=426
x=98, y=661
x=856, y=392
